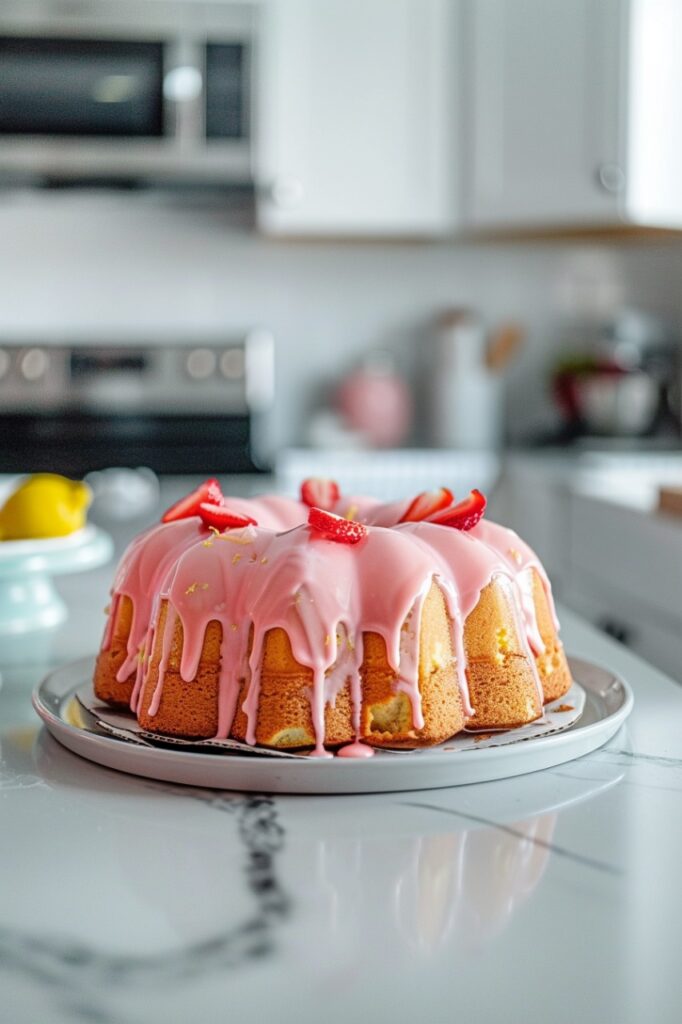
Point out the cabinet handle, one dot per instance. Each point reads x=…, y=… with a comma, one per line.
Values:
x=611, y=177
x=287, y=191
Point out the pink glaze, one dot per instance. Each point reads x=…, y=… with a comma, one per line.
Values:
x=357, y=749
x=147, y=560
x=371, y=511
x=322, y=593
x=326, y=595
x=144, y=566
x=271, y=511
x=521, y=560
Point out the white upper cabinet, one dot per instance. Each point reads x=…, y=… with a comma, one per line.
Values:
x=654, y=139
x=357, y=118
x=573, y=113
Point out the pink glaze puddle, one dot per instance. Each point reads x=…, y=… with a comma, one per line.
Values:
x=324, y=594
x=320, y=751
x=357, y=749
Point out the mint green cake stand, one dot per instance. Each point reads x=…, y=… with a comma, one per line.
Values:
x=29, y=601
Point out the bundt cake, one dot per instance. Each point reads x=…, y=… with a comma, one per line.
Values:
x=330, y=623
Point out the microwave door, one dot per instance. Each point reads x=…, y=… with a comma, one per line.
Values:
x=82, y=88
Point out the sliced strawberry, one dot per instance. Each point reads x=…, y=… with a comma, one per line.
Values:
x=345, y=531
x=222, y=518
x=464, y=515
x=427, y=504
x=189, y=505
x=317, y=492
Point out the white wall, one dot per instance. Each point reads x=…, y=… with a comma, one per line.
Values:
x=90, y=266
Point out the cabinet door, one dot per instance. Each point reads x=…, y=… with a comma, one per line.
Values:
x=542, y=110
x=654, y=186
x=357, y=117
x=621, y=616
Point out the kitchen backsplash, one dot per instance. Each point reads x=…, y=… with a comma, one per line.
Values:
x=91, y=266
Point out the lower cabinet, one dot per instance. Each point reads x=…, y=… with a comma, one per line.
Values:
x=619, y=614
x=618, y=567
x=626, y=577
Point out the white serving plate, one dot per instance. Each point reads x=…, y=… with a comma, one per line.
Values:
x=608, y=703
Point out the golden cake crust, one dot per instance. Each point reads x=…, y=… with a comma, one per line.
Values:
x=107, y=686
x=188, y=709
x=502, y=685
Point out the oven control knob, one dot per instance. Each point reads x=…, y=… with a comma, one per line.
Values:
x=34, y=364
x=232, y=363
x=200, y=363
x=4, y=363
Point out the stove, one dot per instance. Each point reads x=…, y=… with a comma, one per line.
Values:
x=189, y=407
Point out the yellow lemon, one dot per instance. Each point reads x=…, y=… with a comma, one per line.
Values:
x=45, y=505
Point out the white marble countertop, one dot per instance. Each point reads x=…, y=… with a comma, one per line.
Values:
x=552, y=897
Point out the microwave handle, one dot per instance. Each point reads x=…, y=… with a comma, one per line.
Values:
x=183, y=92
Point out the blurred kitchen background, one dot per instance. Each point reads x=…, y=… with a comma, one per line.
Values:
x=403, y=243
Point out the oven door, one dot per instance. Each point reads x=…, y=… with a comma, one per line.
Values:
x=75, y=443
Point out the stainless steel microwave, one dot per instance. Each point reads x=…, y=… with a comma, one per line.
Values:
x=127, y=90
